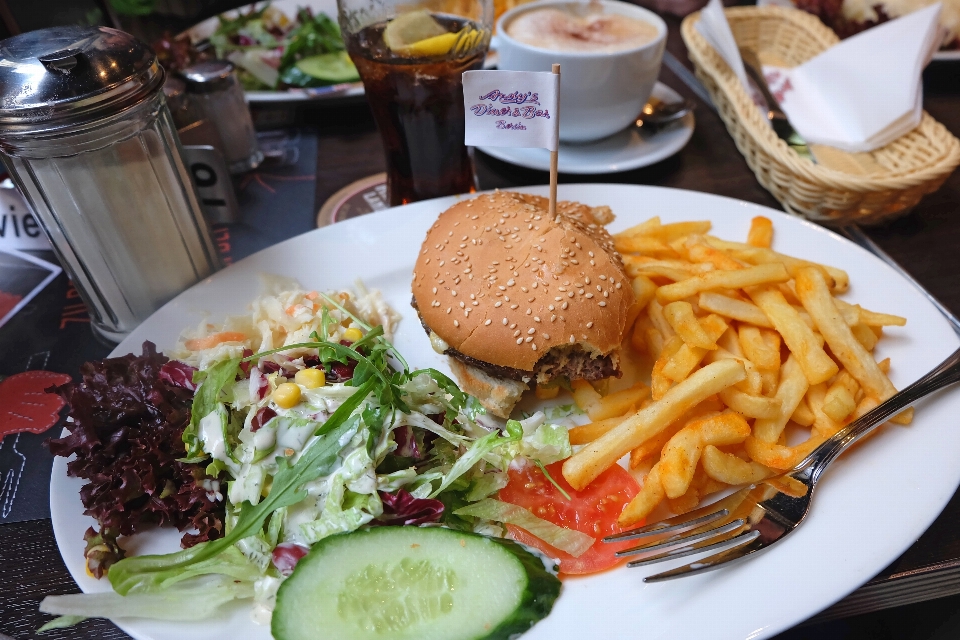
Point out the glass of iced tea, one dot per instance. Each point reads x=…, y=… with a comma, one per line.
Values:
x=410, y=57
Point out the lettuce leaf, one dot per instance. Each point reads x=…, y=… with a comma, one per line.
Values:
x=573, y=542
x=205, y=401
x=477, y=451
x=148, y=573
x=197, y=600
x=549, y=443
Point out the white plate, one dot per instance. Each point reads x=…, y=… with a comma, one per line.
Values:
x=873, y=504
x=629, y=149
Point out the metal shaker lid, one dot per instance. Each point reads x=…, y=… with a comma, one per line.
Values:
x=207, y=76
x=69, y=75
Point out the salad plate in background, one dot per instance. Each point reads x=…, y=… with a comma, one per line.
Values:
x=260, y=57
x=897, y=482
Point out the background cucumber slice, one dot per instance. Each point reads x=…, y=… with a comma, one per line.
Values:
x=329, y=67
x=402, y=583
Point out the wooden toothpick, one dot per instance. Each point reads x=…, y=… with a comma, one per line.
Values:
x=553, y=154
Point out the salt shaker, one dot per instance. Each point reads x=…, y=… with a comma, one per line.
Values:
x=217, y=96
x=86, y=136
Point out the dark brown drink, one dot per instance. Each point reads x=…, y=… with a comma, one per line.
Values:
x=418, y=106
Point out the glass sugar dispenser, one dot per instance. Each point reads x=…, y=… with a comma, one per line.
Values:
x=87, y=137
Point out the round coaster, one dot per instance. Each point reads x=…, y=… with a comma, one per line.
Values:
x=356, y=199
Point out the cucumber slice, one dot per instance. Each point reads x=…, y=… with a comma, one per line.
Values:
x=399, y=583
x=329, y=67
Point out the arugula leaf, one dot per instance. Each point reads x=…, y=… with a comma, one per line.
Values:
x=369, y=338
x=205, y=400
x=544, y=471
x=366, y=327
x=325, y=321
x=459, y=398
x=374, y=418
x=147, y=573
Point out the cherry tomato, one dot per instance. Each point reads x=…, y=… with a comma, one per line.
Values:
x=593, y=511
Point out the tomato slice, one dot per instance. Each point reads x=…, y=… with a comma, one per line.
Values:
x=592, y=511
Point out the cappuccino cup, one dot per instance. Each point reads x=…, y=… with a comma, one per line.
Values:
x=609, y=54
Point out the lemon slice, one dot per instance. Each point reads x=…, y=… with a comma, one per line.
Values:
x=414, y=27
x=431, y=47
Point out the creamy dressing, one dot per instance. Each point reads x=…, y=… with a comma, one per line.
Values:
x=211, y=435
x=292, y=435
x=265, y=438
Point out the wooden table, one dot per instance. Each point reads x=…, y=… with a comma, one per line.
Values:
x=925, y=242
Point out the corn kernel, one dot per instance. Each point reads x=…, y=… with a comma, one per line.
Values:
x=311, y=378
x=352, y=334
x=287, y=395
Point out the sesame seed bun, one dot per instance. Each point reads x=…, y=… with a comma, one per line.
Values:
x=500, y=281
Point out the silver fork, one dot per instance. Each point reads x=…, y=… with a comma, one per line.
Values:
x=759, y=516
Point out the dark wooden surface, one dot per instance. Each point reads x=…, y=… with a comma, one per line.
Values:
x=926, y=242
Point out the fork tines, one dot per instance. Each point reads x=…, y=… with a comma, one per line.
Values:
x=681, y=546
x=665, y=528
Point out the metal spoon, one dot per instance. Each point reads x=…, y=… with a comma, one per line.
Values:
x=657, y=113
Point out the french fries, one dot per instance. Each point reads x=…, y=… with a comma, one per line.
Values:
x=678, y=462
x=790, y=392
x=680, y=316
x=583, y=467
x=748, y=347
x=589, y=432
x=729, y=469
x=761, y=232
x=816, y=298
x=734, y=309
x=769, y=273
x=799, y=338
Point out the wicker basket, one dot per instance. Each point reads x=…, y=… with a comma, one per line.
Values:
x=866, y=188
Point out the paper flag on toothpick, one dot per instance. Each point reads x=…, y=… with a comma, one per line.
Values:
x=511, y=108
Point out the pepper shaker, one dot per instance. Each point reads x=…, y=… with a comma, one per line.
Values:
x=217, y=96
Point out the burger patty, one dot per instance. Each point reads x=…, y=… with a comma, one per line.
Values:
x=572, y=363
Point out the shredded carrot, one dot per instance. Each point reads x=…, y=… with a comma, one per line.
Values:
x=292, y=309
x=199, y=344
x=312, y=295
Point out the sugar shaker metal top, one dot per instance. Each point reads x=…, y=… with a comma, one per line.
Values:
x=62, y=76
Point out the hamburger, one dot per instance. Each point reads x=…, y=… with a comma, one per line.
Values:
x=517, y=298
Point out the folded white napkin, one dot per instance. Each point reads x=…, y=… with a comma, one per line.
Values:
x=860, y=94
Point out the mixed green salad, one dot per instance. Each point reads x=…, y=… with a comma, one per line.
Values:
x=339, y=469
x=272, y=51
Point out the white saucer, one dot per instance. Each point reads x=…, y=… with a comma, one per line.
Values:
x=628, y=149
